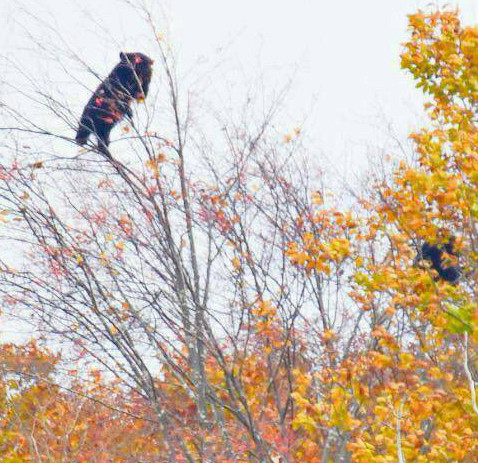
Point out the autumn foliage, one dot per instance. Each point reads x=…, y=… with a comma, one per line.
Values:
x=235, y=311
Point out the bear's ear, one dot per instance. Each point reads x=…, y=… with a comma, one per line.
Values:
x=123, y=56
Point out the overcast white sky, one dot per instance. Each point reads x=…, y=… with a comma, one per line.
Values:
x=344, y=54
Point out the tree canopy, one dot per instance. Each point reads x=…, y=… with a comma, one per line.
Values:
x=211, y=300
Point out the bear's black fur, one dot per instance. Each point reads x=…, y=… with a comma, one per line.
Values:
x=112, y=99
x=434, y=253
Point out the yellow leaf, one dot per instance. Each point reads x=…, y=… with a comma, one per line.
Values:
x=317, y=198
x=236, y=263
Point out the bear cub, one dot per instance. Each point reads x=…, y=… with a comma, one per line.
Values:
x=437, y=256
x=111, y=101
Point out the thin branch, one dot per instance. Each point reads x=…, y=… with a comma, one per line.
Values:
x=468, y=374
x=401, y=458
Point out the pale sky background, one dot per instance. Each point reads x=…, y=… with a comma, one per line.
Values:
x=344, y=55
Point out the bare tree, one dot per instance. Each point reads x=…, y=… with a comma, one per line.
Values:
x=153, y=263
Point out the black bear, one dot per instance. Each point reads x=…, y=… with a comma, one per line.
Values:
x=434, y=254
x=111, y=101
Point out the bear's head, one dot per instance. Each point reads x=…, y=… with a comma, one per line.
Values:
x=136, y=59
x=142, y=66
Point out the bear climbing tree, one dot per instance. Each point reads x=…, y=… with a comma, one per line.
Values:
x=111, y=101
x=436, y=255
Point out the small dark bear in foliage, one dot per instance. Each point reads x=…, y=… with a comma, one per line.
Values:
x=437, y=254
x=112, y=99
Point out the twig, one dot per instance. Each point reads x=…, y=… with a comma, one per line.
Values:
x=401, y=458
x=468, y=375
